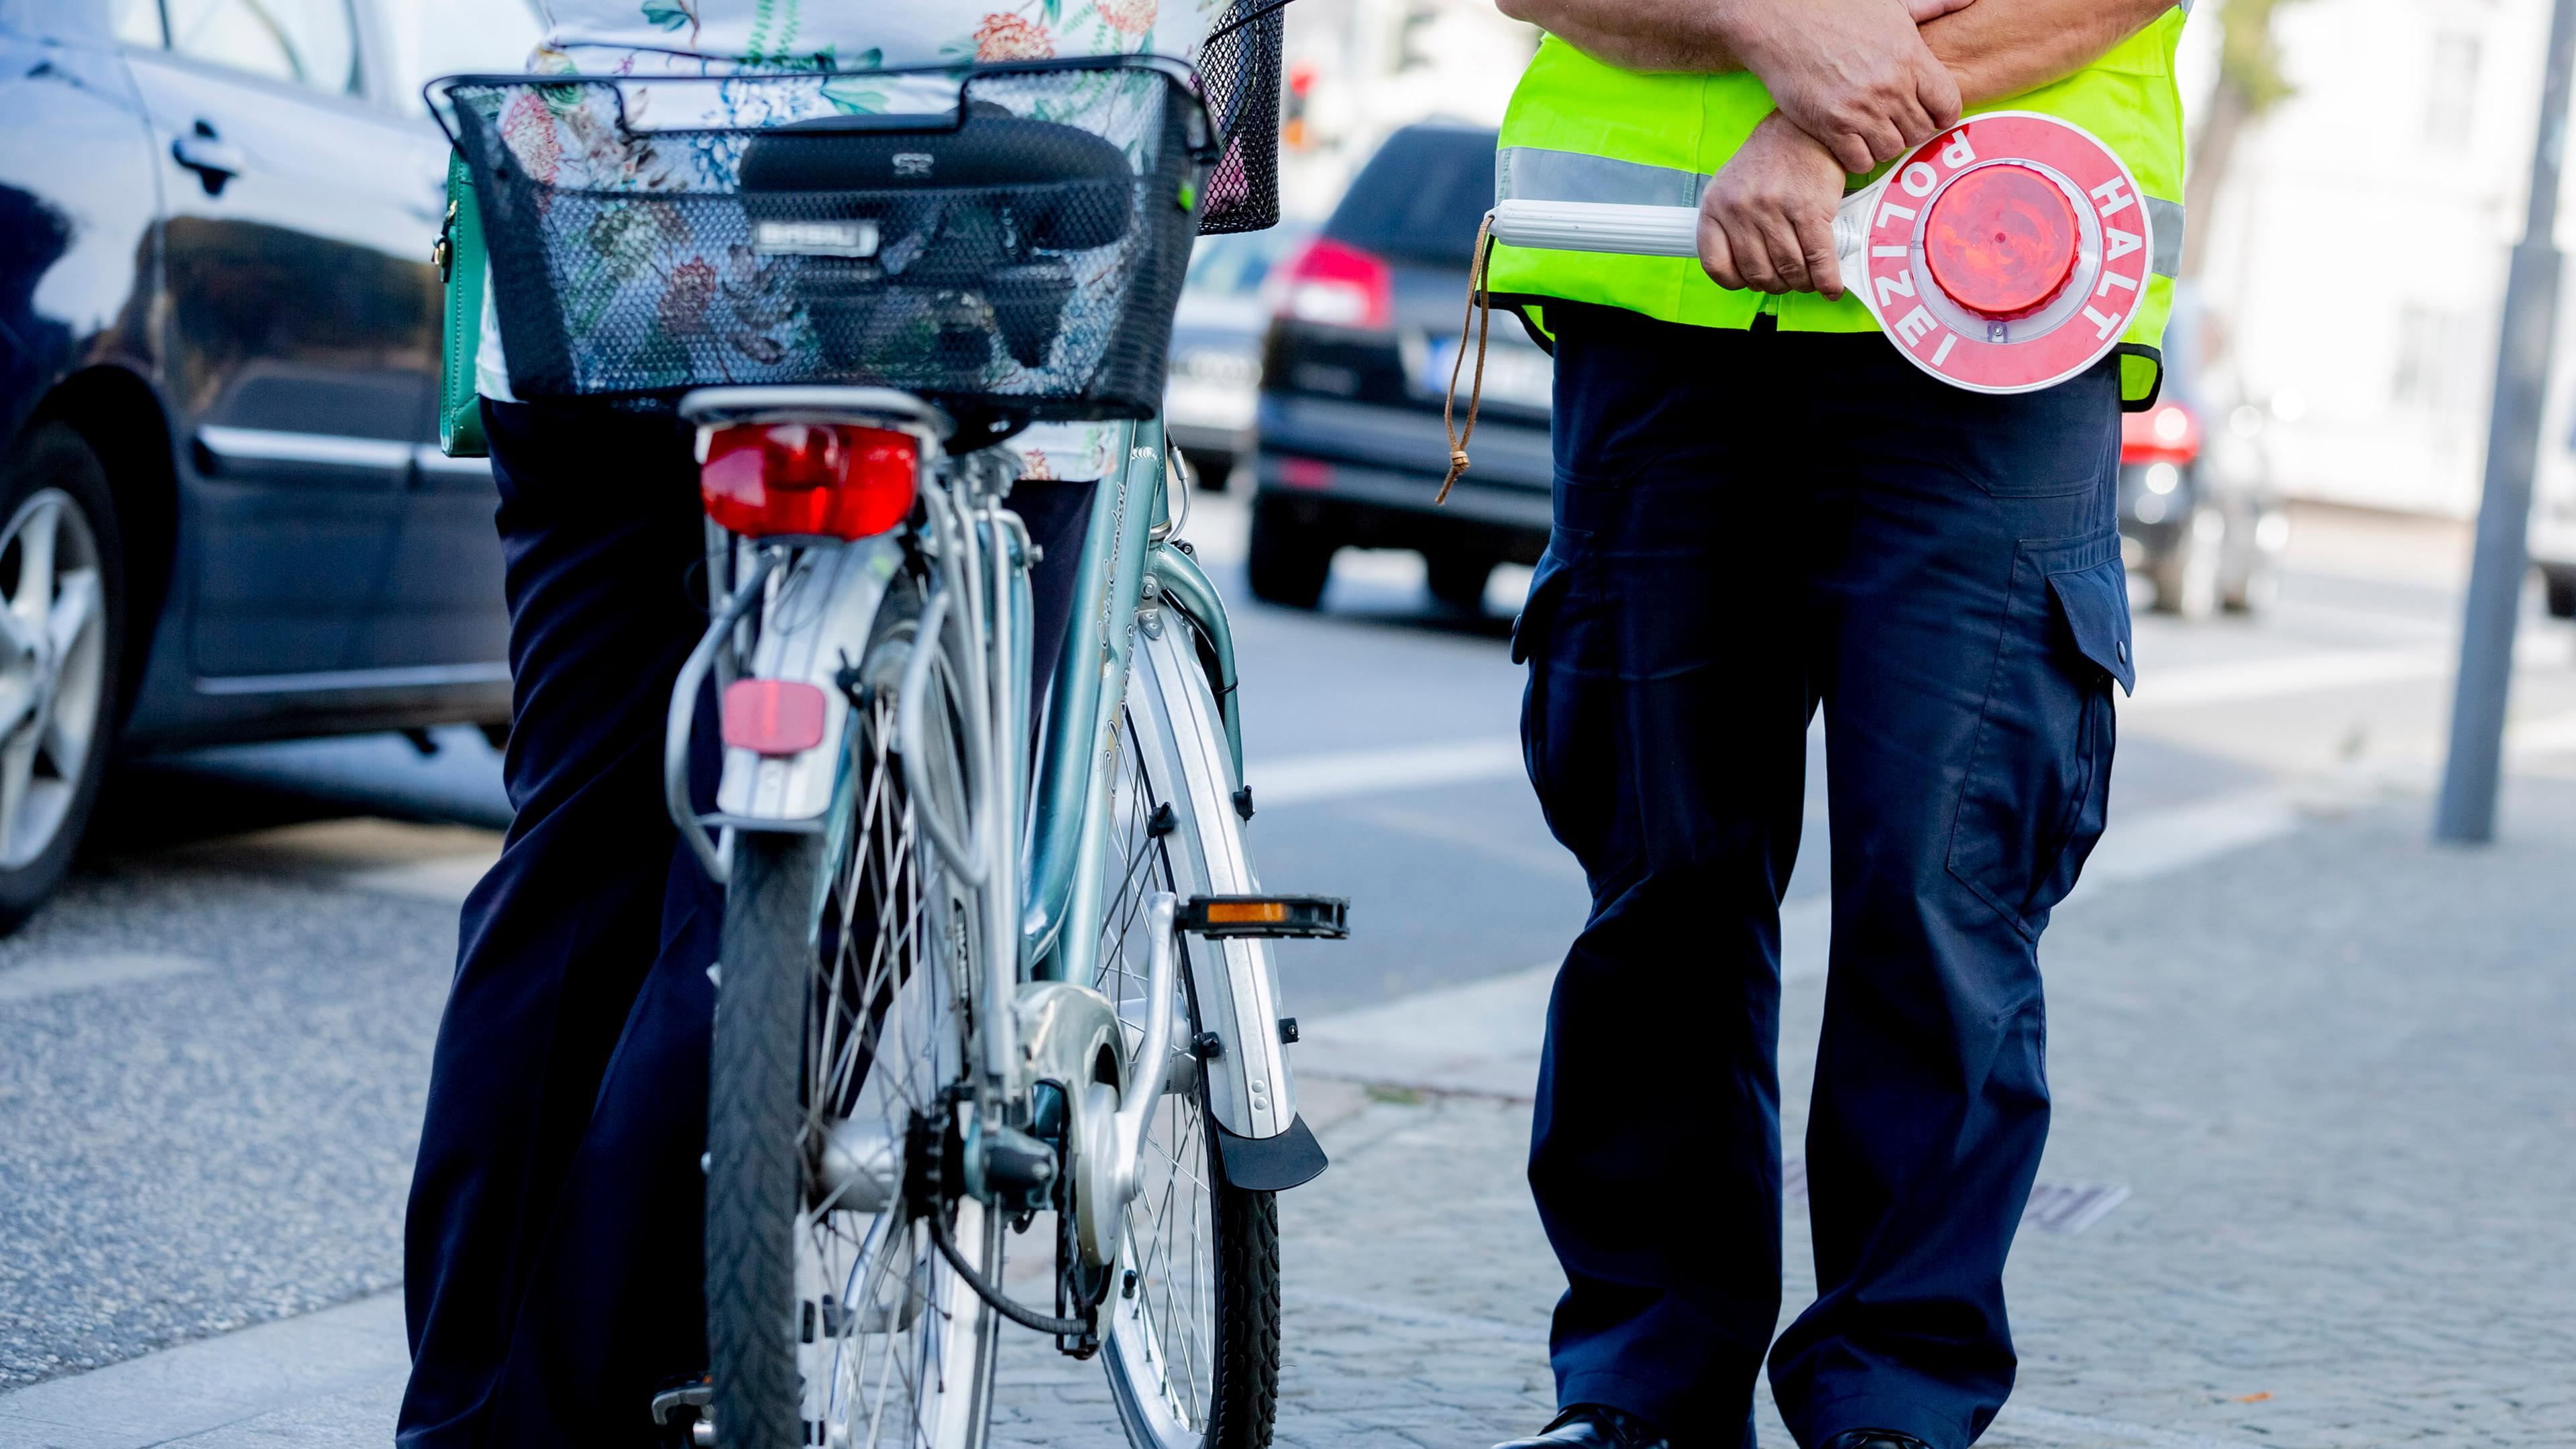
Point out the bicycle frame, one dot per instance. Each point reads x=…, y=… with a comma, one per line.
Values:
x=816, y=602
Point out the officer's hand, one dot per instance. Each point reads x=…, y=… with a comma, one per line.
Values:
x=1852, y=73
x=1766, y=220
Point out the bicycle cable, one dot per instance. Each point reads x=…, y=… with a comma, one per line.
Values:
x=1021, y=1314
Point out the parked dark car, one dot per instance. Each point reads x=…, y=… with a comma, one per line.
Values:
x=223, y=512
x=1209, y=401
x=1351, y=450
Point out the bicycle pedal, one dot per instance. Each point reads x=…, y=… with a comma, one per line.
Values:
x=1223, y=918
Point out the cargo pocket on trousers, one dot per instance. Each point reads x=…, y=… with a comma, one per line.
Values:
x=1571, y=763
x=2032, y=804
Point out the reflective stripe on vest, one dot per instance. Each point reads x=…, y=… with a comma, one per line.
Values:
x=1579, y=130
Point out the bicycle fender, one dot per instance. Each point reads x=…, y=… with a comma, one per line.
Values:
x=1250, y=1093
x=816, y=620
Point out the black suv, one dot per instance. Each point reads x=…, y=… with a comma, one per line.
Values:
x=1351, y=450
x=223, y=512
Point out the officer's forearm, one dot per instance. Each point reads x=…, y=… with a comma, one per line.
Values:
x=1999, y=48
x=1646, y=35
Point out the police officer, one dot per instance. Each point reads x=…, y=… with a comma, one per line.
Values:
x=1760, y=512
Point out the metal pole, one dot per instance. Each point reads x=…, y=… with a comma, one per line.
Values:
x=2468, y=806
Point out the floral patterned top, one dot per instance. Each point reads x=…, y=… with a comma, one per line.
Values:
x=703, y=37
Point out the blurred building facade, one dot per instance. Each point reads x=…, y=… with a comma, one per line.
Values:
x=1361, y=68
x=2355, y=274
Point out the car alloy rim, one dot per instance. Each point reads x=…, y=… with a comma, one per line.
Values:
x=53, y=658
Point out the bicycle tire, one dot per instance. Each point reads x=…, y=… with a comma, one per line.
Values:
x=789, y=1358
x=1237, y=1405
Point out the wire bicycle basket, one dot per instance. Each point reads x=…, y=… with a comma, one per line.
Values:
x=1006, y=240
x=1239, y=74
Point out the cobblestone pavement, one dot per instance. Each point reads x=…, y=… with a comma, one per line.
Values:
x=2332, y=1070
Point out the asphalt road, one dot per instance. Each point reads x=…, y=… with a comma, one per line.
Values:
x=216, y=1039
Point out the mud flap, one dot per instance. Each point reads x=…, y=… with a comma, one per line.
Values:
x=1270, y=1164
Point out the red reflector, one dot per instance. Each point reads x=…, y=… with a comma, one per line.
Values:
x=773, y=716
x=2001, y=241
x=831, y=480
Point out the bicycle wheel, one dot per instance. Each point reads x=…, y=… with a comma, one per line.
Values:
x=841, y=1017
x=1190, y=1332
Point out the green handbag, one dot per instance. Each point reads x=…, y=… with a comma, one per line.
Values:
x=459, y=255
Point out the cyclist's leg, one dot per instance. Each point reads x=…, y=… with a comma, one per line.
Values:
x=600, y=522
x=614, y=1307
x=1056, y=512
x=1665, y=725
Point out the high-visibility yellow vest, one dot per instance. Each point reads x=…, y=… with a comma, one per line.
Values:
x=1580, y=130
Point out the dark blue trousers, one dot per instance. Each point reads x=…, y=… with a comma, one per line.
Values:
x=1750, y=526
x=553, y=1249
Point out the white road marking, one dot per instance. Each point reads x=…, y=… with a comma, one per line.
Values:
x=2158, y=841
x=441, y=878
x=1483, y=1037
x=2271, y=676
x=1305, y=779
x=93, y=973
x=1345, y=774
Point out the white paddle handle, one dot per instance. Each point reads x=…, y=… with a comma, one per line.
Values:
x=1588, y=226
x=1654, y=231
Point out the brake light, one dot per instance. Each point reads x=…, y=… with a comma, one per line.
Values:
x=831, y=480
x=2167, y=434
x=2001, y=241
x=1339, y=285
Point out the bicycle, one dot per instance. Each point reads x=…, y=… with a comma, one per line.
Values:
x=972, y=972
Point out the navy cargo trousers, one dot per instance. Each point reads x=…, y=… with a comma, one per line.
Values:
x=1751, y=526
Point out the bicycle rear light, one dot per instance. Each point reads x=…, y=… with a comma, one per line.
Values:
x=772, y=716
x=832, y=480
x=1339, y=285
x=2001, y=241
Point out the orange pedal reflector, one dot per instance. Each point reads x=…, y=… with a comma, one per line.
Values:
x=1324, y=918
x=773, y=716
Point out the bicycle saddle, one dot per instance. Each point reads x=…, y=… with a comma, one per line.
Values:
x=969, y=210
x=1069, y=189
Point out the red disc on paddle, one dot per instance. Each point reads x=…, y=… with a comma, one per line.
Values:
x=2008, y=254
x=2000, y=241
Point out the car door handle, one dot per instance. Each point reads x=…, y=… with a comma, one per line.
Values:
x=214, y=159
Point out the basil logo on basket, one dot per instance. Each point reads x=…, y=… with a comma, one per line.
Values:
x=912, y=163
x=815, y=238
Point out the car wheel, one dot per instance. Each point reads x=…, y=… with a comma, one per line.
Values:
x=2561, y=586
x=1290, y=557
x=62, y=637
x=2186, y=579
x=1458, y=579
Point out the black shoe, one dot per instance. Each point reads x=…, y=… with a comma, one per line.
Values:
x=1873, y=1439
x=1593, y=1426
